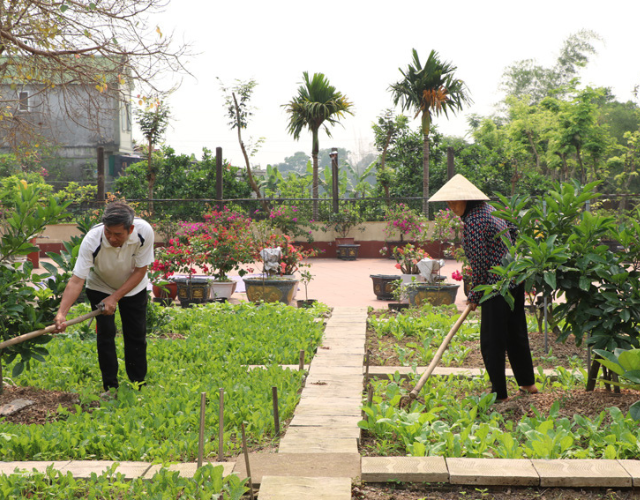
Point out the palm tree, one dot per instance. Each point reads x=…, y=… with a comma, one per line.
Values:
x=429, y=90
x=317, y=103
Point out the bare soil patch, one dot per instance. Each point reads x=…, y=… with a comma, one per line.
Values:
x=45, y=407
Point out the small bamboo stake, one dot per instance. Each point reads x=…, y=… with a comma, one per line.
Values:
x=246, y=461
x=369, y=400
x=366, y=373
x=276, y=415
x=301, y=364
x=203, y=403
x=221, y=427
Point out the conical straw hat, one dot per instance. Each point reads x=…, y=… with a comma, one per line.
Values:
x=458, y=188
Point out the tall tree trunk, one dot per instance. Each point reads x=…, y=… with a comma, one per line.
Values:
x=252, y=182
x=425, y=174
x=314, y=186
x=583, y=174
x=383, y=161
x=534, y=149
x=151, y=178
x=515, y=177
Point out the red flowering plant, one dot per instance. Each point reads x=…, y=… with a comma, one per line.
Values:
x=176, y=257
x=406, y=221
x=407, y=258
x=223, y=243
x=465, y=272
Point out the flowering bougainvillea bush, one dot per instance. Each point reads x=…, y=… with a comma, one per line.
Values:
x=447, y=226
x=409, y=223
x=218, y=246
x=290, y=220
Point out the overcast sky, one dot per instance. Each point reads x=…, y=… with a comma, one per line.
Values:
x=360, y=45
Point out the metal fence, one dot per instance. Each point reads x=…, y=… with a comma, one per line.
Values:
x=371, y=209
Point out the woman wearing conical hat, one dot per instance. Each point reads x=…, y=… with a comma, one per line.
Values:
x=502, y=330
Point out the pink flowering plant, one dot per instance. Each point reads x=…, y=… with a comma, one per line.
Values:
x=406, y=221
x=290, y=220
x=447, y=226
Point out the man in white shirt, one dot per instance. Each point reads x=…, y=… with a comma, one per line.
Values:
x=113, y=261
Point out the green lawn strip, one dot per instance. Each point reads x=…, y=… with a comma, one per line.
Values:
x=206, y=483
x=160, y=423
x=452, y=419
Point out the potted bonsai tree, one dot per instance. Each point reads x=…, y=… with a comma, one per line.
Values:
x=343, y=222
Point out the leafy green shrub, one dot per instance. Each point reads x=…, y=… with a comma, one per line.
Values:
x=559, y=253
x=26, y=210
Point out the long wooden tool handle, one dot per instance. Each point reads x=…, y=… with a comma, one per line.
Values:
x=49, y=329
x=439, y=353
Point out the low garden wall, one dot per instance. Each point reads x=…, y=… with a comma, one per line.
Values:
x=371, y=240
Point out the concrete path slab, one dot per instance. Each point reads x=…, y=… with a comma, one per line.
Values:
x=310, y=443
x=337, y=431
x=405, y=469
x=322, y=411
x=82, y=469
x=189, y=469
x=9, y=468
x=633, y=469
x=582, y=473
x=296, y=464
x=322, y=421
x=492, y=472
x=302, y=488
x=329, y=391
x=337, y=372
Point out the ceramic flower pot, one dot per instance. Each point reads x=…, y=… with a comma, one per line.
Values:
x=383, y=285
x=437, y=295
x=271, y=289
x=221, y=289
x=347, y=252
x=171, y=291
x=192, y=291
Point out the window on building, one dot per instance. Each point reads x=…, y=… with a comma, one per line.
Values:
x=23, y=99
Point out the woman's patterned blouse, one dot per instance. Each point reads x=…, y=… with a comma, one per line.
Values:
x=483, y=245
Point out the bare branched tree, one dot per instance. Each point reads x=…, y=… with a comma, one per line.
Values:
x=60, y=52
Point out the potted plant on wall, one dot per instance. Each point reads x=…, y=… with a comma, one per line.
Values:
x=191, y=289
x=343, y=222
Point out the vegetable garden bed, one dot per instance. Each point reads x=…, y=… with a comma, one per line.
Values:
x=193, y=351
x=455, y=417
